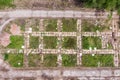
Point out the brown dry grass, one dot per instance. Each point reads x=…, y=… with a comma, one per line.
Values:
x=45, y=4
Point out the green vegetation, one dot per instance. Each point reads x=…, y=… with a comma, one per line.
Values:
x=69, y=60
x=50, y=24
x=6, y=3
x=91, y=42
x=50, y=60
x=34, y=60
x=21, y=23
x=110, y=46
x=100, y=4
x=34, y=42
x=15, y=60
x=70, y=42
x=91, y=27
x=16, y=42
x=69, y=25
x=35, y=24
x=5, y=57
x=50, y=42
x=97, y=60
x=22, y=28
x=7, y=28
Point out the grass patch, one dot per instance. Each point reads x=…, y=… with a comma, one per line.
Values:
x=109, y=46
x=34, y=60
x=50, y=42
x=91, y=27
x=6, y=3
x=50, y=24
x=16, y=42
x=69, y=25
x=50, y=60
x=69, y=60
x=15, y=60
x=70, y=43
x=34, y=42
x=91, y=42
x=98, y=60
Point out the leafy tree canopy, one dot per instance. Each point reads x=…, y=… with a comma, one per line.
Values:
x=101, y=4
